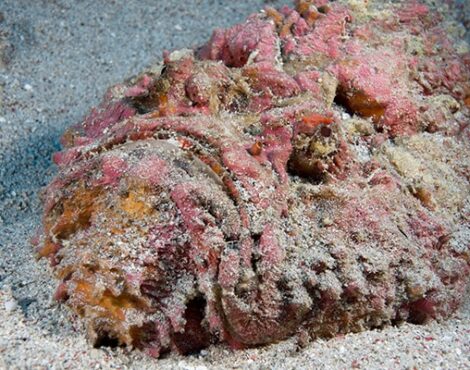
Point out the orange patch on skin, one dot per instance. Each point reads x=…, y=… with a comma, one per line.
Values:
x=311, y=17
x=285, y=29
x=77, y=211
x=303, y=6
x=68, y=138
x=308, y=13
x=217, y=168
x=275, y=15
x=117, y=231
x=213, y=164
x=251, y=73
x=134, y=206
x=256, y=148
x=114, y=306
x=48, y=249
x=165, y=107
x=467, y=101
x=315, y=119
x=363, y=105
x=85, y=289
x=425, y=196
x=140, y=135
x=185, y=143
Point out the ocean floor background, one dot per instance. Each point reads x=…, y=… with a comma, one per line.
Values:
x=57, y=57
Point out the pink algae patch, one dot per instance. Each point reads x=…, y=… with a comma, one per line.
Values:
x=412, y=12
x=308, y=81
x=104, y=117
x=141, y=88
x=325, y=39
x=152, y=170
x=112, y=170
x=235, y=45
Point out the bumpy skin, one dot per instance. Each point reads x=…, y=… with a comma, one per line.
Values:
x=306, y=172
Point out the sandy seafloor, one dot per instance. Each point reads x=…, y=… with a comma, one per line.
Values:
x=57, y=59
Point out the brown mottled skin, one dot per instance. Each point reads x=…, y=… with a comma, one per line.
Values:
x=306, y=171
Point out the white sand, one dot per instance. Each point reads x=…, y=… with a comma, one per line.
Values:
x=58, y=57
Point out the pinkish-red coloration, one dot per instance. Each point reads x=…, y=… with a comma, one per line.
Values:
x=256, y=39
x=304, y=172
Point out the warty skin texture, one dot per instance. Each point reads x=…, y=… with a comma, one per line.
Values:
x=304, y=173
